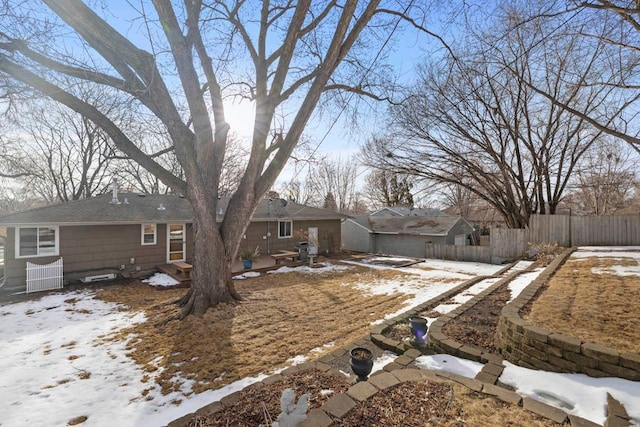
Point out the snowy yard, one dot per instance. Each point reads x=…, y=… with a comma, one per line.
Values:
x=59, y=363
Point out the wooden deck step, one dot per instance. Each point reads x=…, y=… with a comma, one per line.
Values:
x=172, y=271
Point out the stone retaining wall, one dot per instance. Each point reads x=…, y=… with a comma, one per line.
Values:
x=524, y=344
x=377, y=332
x=441, y=343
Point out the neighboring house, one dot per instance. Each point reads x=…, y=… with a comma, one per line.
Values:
x=483, y=218
x=407, y=211
x=140, y=231
x=405, y=236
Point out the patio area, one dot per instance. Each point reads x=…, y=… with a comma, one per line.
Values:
x=264, y=263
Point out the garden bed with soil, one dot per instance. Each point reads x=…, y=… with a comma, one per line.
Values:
x=259, y=404
x=477, y=326
x=413, y=404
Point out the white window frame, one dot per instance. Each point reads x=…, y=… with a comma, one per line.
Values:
x=184, y=243
x=142, y=234
x=56, y=251
x=290, y=229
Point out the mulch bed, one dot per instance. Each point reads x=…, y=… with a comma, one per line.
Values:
x=476, y=327
x=260, y=399
x=407, y=405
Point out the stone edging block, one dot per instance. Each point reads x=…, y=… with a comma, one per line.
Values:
x=525, y=344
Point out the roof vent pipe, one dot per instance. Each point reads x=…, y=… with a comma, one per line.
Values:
x=114, y=199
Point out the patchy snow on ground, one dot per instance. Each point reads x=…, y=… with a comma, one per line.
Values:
x=607, y=252
x=521, y=265
x=161, y=279
x=55, y=368
x=56, y=365
x=576, y=394
x=446, y=362
x=386, y=259
x=517, y=285
x=465, y=296
x=247, y=275
x=618, y=270
x=469, y=268
x=323, y=268
x=611, y=252
x=426, y=280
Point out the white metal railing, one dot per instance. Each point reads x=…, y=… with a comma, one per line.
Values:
x=44, y=277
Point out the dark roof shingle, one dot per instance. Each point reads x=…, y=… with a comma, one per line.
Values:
x=138, y=208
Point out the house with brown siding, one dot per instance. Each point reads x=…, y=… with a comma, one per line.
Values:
x=129, y=234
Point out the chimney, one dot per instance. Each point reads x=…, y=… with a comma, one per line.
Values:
x=114, y=199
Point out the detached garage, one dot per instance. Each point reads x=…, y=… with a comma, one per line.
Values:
x=404, y=236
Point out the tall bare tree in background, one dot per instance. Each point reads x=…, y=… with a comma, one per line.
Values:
x=605, y=179
x=386, y=188
x=336, y=177
x=69, y=157
x=470, y=123
x=281, y=55
x=616, y=24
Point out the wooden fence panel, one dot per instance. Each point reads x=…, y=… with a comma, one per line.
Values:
x=616, y=230
x=508, y=244
x=565, y=230
x=550, y=229
x=612, y=230
x=458, y=253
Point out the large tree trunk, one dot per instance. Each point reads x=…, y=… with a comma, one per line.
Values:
x=211, y=281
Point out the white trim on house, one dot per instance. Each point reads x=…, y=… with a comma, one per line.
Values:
x=143, y=233
x=290, y=235
x=184, y=243
x=45, y=251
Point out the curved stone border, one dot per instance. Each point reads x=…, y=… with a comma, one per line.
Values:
x=441, y=343
x=524, y=344
x=232, y=398
x=394, y=373
x=400, y=347
x=400, y=370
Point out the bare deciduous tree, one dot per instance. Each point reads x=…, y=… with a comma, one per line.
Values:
x=281, y=55
x=470, y=123
x=616, y=24
x=69, y=157
x=337, y=177
x=386, y=188
x=605, y=179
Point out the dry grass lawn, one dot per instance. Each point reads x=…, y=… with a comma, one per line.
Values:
x=598, y=308
x=283, y=315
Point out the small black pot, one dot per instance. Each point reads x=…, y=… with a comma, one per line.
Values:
x=361, y=362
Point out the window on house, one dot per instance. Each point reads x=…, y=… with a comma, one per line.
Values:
x=37, y=241
x=149, y=234
x=284, y=229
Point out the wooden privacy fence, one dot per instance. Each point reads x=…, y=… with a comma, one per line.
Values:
x=458, y=253
x=506, y=245
x=44, y=277
x=565, y=230
x=550, y=229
